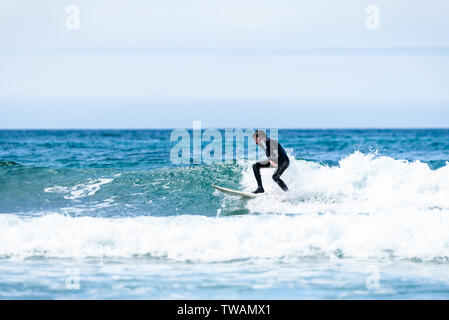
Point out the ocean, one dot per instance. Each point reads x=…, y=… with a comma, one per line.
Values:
x=106, y=214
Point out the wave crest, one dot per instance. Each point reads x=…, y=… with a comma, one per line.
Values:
x=361, y=183
x=196, y=238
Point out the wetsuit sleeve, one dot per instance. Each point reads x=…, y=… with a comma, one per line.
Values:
x=264, y=162
x=273, y=151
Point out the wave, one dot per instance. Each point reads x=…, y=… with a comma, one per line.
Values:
x=112, y=192
x=367, y=206
x=8, y=164
x=80, y=190
x=359, y=184
x=206, y=239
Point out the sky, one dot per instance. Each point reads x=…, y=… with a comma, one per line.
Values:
x=233, y=63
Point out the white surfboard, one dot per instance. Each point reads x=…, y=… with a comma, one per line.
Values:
x=236, y=192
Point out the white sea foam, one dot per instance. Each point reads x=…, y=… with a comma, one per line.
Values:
x=360, y=184
x=200, y=238
x=367, y=207
x=80, y=190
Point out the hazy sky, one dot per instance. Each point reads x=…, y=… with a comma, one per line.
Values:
x=233, y=63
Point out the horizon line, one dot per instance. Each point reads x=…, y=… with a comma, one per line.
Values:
x=234, y=128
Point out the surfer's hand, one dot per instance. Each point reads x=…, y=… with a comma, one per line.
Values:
x=274, y=164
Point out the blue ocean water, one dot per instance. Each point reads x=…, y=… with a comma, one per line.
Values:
x=89, y=214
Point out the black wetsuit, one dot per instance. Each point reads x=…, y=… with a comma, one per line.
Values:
x=276, y=153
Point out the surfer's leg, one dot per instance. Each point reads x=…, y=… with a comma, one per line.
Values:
x=277, y=175
x=256, y=169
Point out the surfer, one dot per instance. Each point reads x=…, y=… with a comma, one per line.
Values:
x=277, y=158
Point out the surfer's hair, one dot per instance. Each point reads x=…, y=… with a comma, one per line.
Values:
x=260, y=134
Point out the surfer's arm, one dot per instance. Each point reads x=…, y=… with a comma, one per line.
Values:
x=268, y=162
x=272, y=152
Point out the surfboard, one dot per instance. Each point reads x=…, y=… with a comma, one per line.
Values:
x=236, y=192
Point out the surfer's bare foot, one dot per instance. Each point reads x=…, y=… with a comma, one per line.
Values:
x=259, y=190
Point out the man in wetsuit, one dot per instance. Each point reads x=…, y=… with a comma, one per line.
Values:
x=277, y=158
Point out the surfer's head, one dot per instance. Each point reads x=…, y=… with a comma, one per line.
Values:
x=259, y=135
